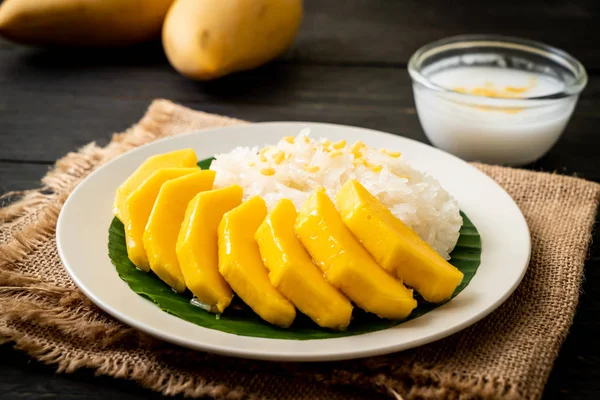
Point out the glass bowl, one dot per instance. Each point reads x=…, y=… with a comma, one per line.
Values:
x=494, y=99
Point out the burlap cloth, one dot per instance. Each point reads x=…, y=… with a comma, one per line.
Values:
x=509, y=354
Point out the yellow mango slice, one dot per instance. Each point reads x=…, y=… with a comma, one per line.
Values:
x=241, y=265
x=395, y=246
x=293, y=273
x=139, y=206
x=185, y=158
x=165, y=221
x=197, y=248
x=346, y=264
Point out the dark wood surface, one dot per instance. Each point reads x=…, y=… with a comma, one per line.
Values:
x=348, y=66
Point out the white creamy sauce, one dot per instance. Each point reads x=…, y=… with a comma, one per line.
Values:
x=496, y=124
x=497, y=78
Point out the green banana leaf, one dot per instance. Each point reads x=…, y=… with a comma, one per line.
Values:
x=241, y=320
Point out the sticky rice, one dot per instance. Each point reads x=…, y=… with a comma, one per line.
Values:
x=296, y=165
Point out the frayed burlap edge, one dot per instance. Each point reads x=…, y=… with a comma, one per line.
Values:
x=49, y=199
x=411, y=380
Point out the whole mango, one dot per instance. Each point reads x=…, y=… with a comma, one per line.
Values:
x=207, y=39
x=82, y=22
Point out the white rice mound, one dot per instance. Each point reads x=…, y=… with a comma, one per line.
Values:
x=294, y=167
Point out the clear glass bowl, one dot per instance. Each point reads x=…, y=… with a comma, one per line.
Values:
x=477, y=125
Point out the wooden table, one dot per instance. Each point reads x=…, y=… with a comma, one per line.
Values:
x=348, y=66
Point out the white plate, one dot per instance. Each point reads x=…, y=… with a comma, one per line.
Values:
x=82, y=235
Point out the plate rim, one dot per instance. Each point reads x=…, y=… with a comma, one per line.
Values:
x=280, y=356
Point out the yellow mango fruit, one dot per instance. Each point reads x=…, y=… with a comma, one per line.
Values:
x=346, y=264
x=293, y=273
x=197, y=247
x=242, y=267
x=82, y=22
x=164, y=223
x=206, y=39
x=185, y=158
x=395, y=246
x=139, y=206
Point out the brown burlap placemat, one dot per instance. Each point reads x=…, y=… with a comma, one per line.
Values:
x=509, y=354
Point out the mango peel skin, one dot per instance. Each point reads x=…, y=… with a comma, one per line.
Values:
x=208, y=39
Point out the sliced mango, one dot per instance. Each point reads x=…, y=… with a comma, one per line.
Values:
x=139, y=206
x=395, y=246
x=197, y=249
x=165, y=221
x=346, y=264
x=293, y=273
x=185, y=158
x=242, y=267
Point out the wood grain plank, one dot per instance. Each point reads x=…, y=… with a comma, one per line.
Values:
x=23, y=378
x=143, y=73
x=57, y=104
x=20, y=176
x=385, y=32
